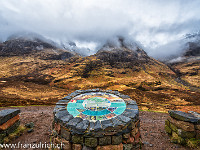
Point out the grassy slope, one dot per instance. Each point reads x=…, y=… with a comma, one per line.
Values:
x=30, y=80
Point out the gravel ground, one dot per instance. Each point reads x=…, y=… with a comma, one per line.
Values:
x=151, y=127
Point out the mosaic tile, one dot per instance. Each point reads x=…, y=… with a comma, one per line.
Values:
x=95, y=106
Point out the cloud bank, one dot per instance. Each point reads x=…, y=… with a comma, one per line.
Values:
x=156, y=24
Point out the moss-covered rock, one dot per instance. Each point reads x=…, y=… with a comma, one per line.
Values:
x=77, y=139
x=167, y=122
x=186, y=134
x=173, y=127
x=168, y=129
x=193, y=143
x=91, y=142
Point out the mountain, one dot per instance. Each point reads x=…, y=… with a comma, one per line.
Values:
x=120, y=64
x=19, y=46
x=186, y=66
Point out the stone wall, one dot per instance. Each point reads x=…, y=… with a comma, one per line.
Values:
x=184, y=128
x=9, y=122
x=121, y=132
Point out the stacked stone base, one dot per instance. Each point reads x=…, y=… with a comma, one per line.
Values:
x=125, y=141
x=117, y=133
x=9, y=122
x=184, y=128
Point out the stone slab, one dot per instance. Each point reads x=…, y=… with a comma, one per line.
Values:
x=186, y=134
x=61, y=113
x=83, y=125
x=73, y=122
x=131, y=114
x=9, y=123
x=187, y=126
x=12, y=128
x=123, y=119
x=179, y=115
x=7, y=114
x=65, y=134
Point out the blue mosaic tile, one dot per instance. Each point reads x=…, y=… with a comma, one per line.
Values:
x=95, y=106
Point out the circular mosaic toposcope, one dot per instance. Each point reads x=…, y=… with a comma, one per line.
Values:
x=98, y=119
x=95, y=106
x=96, y=112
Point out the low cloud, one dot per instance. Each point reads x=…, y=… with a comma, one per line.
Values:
x=91, y=23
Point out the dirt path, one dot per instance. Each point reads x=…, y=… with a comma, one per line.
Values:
x=152, y=128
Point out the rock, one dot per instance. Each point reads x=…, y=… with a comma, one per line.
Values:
x=66, y=119
x=60, y=114
x=173, y=127
x=167, y=129
x=73, y=122
x=97, y=126
x=126, y=135
x=127, y=146
x=65, y=134
x=66, y=145
x=67, y=98
x=91, y=142
x=116, y=140
x=179, y=115
x=174, y=137
x=197, y=127
x=110, y=147
x=150, y=145
x=131, y=102
x=76, y=147
x=106, y=140
x=186, y=134
x=198, y=134
x=12, y=128
x=134, y=132
x=116, y=122
x=29, y=125
x=7, y=114
x=106, y=124
x=124, y=119
x=30, y=130
x=83, y=125
x=195, y=114
x=123, y=96
x=77, y=139
x=130, y=106
x=87, y=148
x=182, y=124
x=130, y=140
x=167, y=123
x=193, y=143
x=9, y=123
x=131, y=113
x=137, y=137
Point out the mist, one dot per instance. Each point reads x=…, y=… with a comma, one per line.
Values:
x=157, y=25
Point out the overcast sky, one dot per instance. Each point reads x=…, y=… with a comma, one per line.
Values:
x=154, y=23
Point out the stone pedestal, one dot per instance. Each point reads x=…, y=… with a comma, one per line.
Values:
x=183, y=128
x=97, y=119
